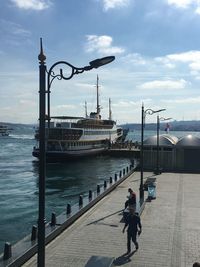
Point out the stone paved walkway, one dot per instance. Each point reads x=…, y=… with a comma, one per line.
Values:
x=171, y=228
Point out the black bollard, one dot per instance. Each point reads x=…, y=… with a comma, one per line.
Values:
x=34, y=233
x=126, y=169
x=105, y=184
x=53, y=219
x=80, y=200
x=98, y=189
x=90, y=194
x=7, y=251
x=120, y=174
x=123, y=171
x=68, y=209
x=111, y=180
x=115, y=177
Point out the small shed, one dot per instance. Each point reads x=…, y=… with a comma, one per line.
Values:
x=161, y=153
x=188, y=154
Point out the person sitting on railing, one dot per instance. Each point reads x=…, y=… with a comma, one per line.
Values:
x=131, y=199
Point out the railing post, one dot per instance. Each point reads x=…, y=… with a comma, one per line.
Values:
x=98, y=189
x=69, y=210
x=53, y=219
x=34, y=233
x=90, y=194
x=7, y=251
x=80, y=200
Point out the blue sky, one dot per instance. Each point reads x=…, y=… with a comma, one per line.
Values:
x=156, y=44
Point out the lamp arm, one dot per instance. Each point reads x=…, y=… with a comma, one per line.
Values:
x=165, y=119
x=149, y=111
x=73, y=70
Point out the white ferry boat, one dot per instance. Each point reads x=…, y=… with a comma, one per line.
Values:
x=79, y=136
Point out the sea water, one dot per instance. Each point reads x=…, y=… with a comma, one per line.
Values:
x=19, y=183
x=64, y=181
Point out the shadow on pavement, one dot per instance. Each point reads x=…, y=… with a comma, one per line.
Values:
x=123, y=259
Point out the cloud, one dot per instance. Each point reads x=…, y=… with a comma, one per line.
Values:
x=134, y=58
x=166, y=85
x=102, y=45
x=185, y=57
x=185, y=4
x=13, y=33
x=32, y=4
x=130, y=104
x=8, y=27
x=190, y=100
x=64, y=107
x=190, y=58
x=111, y=4
x=181, y=3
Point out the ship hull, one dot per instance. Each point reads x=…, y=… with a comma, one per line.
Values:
x=66, y=155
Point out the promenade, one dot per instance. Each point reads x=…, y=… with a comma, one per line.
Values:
x=170, y=236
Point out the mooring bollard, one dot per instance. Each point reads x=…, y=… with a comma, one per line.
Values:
x=53, y=219
x=7, y=251
x=98, y=189
x=90, y=194
x=68, y=209
x=105, y=184
x=34, y=233
x=120, y=174
x=115, y=177
x=80, y=200
x=126, y=169
x=111, y=180
x=123, y=171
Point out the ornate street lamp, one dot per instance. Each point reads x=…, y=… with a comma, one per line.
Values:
x=157, y=171
x=51, y=75
x=144, y=113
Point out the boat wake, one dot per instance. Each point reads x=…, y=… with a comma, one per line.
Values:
x=22, y=136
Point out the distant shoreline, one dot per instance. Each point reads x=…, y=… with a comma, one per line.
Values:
x=187, y=126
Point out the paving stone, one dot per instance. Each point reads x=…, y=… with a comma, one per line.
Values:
x=171, y=228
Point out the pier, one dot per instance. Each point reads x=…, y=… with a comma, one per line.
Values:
x=170, y=235
x=124, y=152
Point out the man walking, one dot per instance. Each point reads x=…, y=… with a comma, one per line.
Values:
x=133, y=222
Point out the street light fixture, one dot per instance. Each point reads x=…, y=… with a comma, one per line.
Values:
x=74, y=70
x=158, y=145
x=144, y=113
x=51, y=75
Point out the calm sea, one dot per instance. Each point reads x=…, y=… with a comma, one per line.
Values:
x=64, y=182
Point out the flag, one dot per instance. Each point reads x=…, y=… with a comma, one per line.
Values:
x=167, y=128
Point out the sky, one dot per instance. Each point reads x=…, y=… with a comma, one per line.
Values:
x=156, y=44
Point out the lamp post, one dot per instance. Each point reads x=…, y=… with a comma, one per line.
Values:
x=144, y=113
x=158, y=145
x=51, y=75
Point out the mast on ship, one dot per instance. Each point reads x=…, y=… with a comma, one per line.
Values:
x=110, y=111
x=98, y=106
x=96, y=115
x=86, y=115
